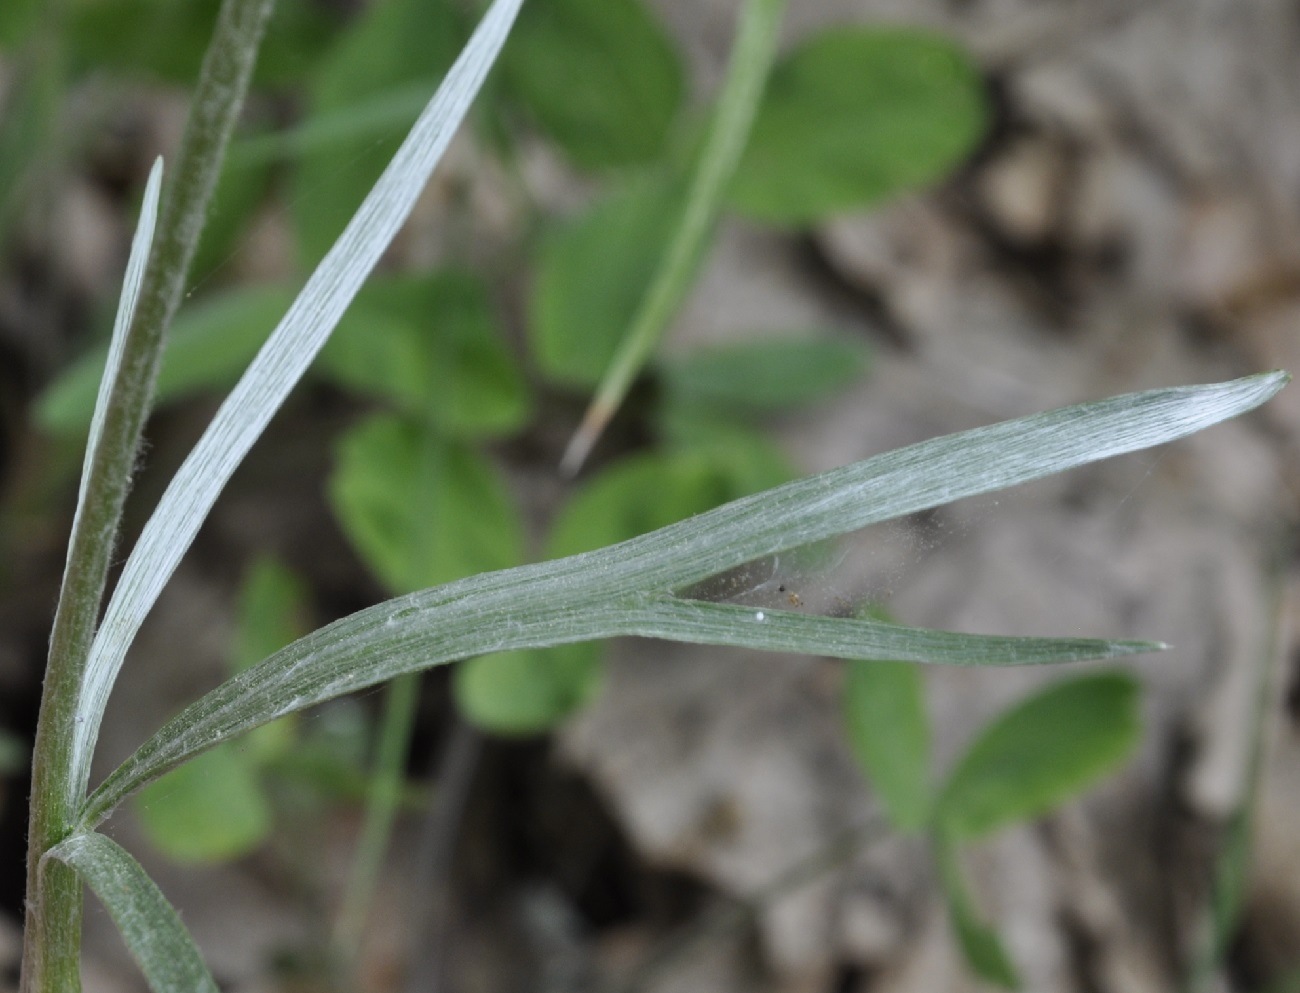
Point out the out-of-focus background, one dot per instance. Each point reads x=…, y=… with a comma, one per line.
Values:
x=1113, y=204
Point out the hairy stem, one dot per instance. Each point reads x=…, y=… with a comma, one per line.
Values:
x=52, y=938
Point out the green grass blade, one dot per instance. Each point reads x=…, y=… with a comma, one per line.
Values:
x=743, y=88
x=625, y=589
x=151, y=928
x=279, y=365
x=533, y=607
x=140, y=246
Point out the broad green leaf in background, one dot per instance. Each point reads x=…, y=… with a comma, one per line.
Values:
x=591, y=276
x=884, y=708
x=240, y=190
x=432, y=347
x=855, y=115
x=31, y=103
x=210, y=810
x=530, y=691
x=397, y=43
x=760, y=375
x=272, y=612
x=372, y=117
x=627, y=589
x=151, y=928
x=216, y=809
x=757, y=30
x=1044, y=750
x=210, y=345
x=744, y=454
x=17, y=20
x=651, y=490
x=600, y=76
x=979, y=943
x=167, y=40
x=421, y=510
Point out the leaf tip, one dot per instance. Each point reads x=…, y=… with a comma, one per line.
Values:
x=1140, y=647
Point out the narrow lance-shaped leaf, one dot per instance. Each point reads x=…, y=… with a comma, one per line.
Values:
x=278, y=366
x=150, y=926
x=626, y=589
x=140, y=246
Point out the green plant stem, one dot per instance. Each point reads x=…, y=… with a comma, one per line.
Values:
x=51, y=943
x=387, y=777
x=742, y=90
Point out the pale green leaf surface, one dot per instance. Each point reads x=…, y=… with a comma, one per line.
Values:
x=371, y=117
x=884, y=708
x=592, y=274
x=18, y=18
x=209, y=345
x=421, y=510
x=149, y=925
x=235, y=200
x=166, y=40
x=271, y=613
x=600, y=76
x=626, y=589
x=392, y=45
x=207, y=811
x=434, y=349
x=533, y=607
x=1041, y=752
x=527, y=691
x=636, y=495
x=747, y=456
x=765, y=374
x=979, y=943
x=277, y=368
x=856, y=115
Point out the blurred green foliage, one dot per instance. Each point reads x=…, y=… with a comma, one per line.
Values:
x=1025, y=762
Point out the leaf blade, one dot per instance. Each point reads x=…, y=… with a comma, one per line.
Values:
x=281, y=363
x=856, y=115
x=624, y=589
x=151, y=928
x=980, y=943
x=135, y=266
x=884, y=709
x=1040, y=752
